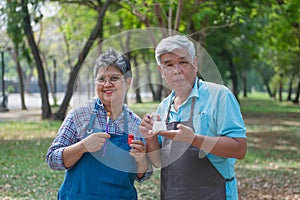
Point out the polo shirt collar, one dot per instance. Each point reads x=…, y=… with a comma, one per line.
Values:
x=194, y=92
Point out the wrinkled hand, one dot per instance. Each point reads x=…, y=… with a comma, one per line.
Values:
x=138, y=150
x=146, y=127
x=94, y=142
x=183, y=134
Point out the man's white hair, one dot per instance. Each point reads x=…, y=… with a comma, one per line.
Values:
x=171, y=43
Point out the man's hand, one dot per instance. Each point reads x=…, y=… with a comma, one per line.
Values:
x=146, y=127
x=183, y=134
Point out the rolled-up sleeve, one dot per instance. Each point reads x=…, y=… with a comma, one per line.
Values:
x=147, y=174
x=66, y=136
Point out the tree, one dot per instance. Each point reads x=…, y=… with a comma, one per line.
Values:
x=239, y=35
x=98, y=28
x=291, y=13
x=279, y=40
x=46, y=109
x=16, y=35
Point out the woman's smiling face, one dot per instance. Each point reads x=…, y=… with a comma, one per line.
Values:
x=111, y=86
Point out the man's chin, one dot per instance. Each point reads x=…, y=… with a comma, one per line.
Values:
x=184, y=85
x=179, y=81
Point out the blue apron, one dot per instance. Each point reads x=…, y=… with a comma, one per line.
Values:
x=98, y=176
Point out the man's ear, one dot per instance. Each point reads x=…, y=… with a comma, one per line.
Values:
x=195, y=63
x=161, y=71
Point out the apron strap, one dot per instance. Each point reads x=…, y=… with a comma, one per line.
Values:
x=192, y=106
x=191, y=113
x=169, y=108
x=93, y=116
x=192, y=109
x=95, y=112
x=126, y=130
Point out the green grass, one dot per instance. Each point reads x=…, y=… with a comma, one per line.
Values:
x=28, y=129
x=270, y=170
x=261, y=103
x=24, y=173
x=143, y=108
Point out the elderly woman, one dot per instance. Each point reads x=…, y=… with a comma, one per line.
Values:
x=92, y=143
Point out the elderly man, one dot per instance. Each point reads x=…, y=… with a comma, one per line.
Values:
x=205, y=132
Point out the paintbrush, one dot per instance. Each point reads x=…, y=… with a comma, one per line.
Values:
x=107, y=131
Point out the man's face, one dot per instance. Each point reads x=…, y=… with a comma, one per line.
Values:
x=178, y=69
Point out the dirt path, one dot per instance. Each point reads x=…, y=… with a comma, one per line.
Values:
x=33, y=114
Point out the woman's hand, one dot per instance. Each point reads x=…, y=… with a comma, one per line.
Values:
x=94, y=142
x=138, y=150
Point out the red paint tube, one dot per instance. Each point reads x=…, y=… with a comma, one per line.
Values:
x=130, y=138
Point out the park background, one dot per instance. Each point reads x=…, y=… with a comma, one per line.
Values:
x=45, y=45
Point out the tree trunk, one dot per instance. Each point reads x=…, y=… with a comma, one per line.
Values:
x=233, y=74
x=158, y=13
x=274, y=93
x=95, y=33
x=136, y=75
x=234, y=79
x=148, y=75
x=280, y=87
x=50, y=79
x=245, y=85
x=269, y=91
x=158, y=93
x=138, y=97
x=290, y=90
x=296, y=100
x=46, y=109
x=28, y=78
x=178, y=15
x=21, y=78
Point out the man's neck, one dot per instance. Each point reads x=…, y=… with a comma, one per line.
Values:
x=180, y=98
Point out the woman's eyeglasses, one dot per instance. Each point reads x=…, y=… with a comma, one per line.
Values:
x=111, y=79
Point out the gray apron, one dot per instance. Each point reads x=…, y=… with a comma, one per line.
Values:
x=187, y=173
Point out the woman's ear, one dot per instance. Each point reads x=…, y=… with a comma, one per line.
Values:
x=128, y=82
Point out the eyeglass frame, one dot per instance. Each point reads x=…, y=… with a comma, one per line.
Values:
x=109, y=79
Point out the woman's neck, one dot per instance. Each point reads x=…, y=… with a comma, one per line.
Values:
x=115, y=111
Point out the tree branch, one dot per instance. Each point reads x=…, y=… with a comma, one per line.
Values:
x=204, y=30
x=89, y=3
x=178, y=15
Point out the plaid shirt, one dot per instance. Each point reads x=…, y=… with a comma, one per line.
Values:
x=75, y=126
